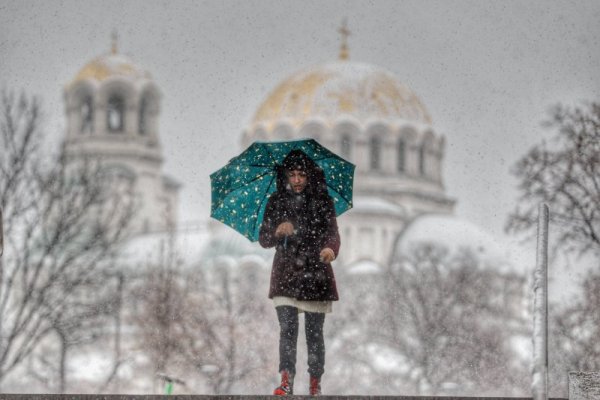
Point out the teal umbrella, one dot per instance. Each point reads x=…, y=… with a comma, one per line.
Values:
x=241, y=188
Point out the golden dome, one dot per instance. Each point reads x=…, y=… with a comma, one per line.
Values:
x=337, y=89
x=110, y=65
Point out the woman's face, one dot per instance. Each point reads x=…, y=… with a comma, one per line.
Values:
x=297, y=180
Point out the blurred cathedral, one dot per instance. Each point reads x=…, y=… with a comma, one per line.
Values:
x=359, y=111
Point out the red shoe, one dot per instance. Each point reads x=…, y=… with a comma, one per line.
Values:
x=287, y=385
x=315, y=386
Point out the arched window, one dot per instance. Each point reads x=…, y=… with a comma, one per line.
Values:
x=143, y=116
x=422, y=154
x=115, y=114
x=346, y=146
x=86, y=113
x=375, y=153
x=401, y=161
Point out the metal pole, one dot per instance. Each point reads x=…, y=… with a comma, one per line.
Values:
x=539, y=385
x=1, y=235
x=1, y=270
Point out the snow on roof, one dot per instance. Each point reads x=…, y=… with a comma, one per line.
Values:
x=376, y=205
x=194, y=244
x=152, y=247
x=454, y=234
x=225, y=241
x=252, y=259
x=364, y=267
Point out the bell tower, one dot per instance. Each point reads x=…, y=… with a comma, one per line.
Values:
x=112, y=108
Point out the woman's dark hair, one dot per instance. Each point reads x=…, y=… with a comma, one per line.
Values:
x=298, y=160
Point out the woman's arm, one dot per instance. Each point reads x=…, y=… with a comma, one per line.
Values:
x=332, y=236
x=266, y=234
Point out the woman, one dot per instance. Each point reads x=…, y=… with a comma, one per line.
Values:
x=300, y=222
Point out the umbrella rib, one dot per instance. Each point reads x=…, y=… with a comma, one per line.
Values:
x=262, y=202
x=271, y=155
x=241, y=185
x=261, y=165
x=258, y=177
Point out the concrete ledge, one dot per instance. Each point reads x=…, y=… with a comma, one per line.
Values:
x=249, y=397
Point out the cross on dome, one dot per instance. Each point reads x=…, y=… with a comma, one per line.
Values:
x=114, y=38
x=345, y=32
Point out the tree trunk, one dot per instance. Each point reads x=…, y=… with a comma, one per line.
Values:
x=63, y=363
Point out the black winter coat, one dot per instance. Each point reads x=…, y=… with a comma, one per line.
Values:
x=297, y=271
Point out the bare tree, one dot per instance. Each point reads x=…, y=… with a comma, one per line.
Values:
x=564, y=173
x=159, y=307
x=85, y=321
x=451, y=319
x=225, y=335
x=355, y=361
x=63, y=221
x=204, y=324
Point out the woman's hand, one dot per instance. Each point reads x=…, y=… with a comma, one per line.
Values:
x=284, y=229
x=327, y=255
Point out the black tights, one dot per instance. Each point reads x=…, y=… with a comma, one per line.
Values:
x=288, y=339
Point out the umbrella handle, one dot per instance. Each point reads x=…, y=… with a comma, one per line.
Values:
x=285, y=242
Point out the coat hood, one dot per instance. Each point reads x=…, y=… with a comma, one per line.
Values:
x=298, y=160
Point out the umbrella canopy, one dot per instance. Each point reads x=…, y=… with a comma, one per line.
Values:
x=241, y=188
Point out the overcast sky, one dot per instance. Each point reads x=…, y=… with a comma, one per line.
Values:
x=486, y=71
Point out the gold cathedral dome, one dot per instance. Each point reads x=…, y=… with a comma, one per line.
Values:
x=110, y=65
x=343, y=88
